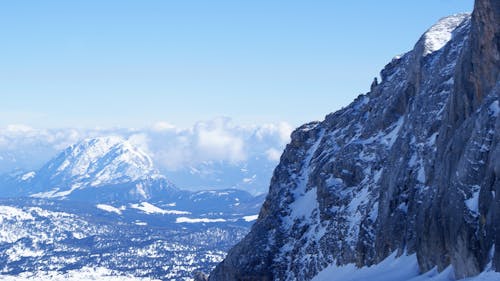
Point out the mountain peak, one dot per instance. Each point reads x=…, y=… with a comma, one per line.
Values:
x=441, y=32
x=96, y=169
x=101, y=161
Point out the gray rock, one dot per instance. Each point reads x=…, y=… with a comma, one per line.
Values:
x=199, y=276
x=410, y=167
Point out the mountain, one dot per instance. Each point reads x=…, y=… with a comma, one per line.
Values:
x=111, y=171
x=98, y=169
x=211, y=154
x=102, y=205
x=407, y=174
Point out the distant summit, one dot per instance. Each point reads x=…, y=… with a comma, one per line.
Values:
x=99, y=161
x=97, y=169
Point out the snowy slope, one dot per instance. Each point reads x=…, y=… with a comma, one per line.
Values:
x=94, y=163
x=393, y=268
x=100, y=169
x=440, y=33
x=119, y=179
x=55, y=240
x=100, y=161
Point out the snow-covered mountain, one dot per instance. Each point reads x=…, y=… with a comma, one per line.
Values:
x=110, y=170
x=211, y=154
x=98, y=169
x=102, y=204
x=404, y=180
x=100, y=161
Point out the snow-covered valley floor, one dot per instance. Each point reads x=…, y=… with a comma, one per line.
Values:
x=84, y=274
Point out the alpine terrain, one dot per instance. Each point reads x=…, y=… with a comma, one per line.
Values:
x=402, y=184
x=100, y=210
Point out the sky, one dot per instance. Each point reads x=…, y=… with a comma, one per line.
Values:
x=123, y=63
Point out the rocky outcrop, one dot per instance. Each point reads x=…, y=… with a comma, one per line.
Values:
x=411, y=167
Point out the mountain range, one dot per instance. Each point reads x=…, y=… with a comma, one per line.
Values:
x=400, y=185
x=102, y=204
x=211, y=154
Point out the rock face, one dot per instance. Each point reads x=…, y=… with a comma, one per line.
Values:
x=411, y=167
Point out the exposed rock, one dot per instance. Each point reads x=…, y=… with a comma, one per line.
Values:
x=374, y=84
x=411, y=167
x=200, y=276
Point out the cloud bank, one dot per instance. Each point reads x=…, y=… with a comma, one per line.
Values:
x=172, y=148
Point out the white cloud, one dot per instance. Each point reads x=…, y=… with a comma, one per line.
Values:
x=217, y=141
x=285, y=130
x=174, y=152
x=19, y=129
x=162, y=126
x=282, y=130
x=141, y=141
x=171, y=148
x=273, y=154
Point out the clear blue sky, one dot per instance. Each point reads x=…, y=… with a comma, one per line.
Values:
x=132, y=63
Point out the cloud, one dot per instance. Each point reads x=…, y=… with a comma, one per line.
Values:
x=19, y=129
x=282, y=130
x=162, y=126
x=141, y=141
x=218, y=140
x=285, y=130
x=173, y=152
x=273, y=154
x=171, y=148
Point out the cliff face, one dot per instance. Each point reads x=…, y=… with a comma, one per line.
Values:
x=411, y=167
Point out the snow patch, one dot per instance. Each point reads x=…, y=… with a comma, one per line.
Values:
x=12, y=213
x=250, y=218
x=140, y=190
x=109, y=208
x=303, y=205
x=391, y=137
x=359, y=198
x=441, y=33
x=421, y=174
x=200, y=220
x=495, y=108
x=47, y=194
x=250, y=180
x=473, y=202
x=305, y=200
x=28, y=176
x=152, y=209
x=20, y=251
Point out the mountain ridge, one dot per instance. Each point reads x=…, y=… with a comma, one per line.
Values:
x=103, y=168
x=102, y=204
x=408, y=168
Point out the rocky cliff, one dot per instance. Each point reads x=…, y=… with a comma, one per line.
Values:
x=412, y=167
